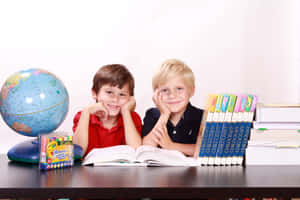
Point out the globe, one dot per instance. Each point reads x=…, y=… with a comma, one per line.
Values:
x=33, y=102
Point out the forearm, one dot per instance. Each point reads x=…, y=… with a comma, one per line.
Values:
x=81, y=135
x=187, y=149
x=132, y=136
x=149, y=139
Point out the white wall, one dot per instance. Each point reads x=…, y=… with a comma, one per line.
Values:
x=232, y=46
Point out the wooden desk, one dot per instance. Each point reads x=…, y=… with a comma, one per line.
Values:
x=24, y=180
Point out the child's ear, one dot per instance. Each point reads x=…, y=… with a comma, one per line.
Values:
x=192, y=91
x=94, y=94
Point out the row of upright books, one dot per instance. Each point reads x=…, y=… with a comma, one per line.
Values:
x=228, y=120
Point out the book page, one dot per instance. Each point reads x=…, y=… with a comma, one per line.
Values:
x=161, y=157
x=283, y=113
x=120, y=153
x=121, y=164
x=275, y=143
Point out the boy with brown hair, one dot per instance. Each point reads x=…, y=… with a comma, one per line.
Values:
x=110, y=120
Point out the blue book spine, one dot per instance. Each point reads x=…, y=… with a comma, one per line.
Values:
x=222, y=141
x=228, y=142
x=239, y=138
x=235, y=141
x=247, y=128
x=210, y=140
x=215, y=142
x=204, y=139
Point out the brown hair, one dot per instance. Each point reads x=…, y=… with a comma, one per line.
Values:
x=114, y=75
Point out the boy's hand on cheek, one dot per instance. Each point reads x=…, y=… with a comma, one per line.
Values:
x=162, y=107
x=98, y=109
x=129, y=106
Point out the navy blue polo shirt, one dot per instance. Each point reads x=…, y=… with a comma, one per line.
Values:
x=186, y=130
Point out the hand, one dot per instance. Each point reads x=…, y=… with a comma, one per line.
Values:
x=98, y=109
x=129, y=105
x=162, y=107
x=164, y=139
x=151, y=139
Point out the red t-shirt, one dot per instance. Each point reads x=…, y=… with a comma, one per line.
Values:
x=100, y=136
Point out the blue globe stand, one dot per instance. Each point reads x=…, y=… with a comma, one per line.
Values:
x=29, y=152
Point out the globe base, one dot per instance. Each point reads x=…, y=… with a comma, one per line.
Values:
x=28, y=152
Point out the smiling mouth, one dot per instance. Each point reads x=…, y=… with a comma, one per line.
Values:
x=113, y=107
x=174, y=102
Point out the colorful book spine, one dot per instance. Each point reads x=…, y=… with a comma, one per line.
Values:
x=250, y=108
x=210, y=106
x=226, y=156
x=220, y=160
x=217, y=160
x=213, y=131
x=235, y=127
x=219, y=129
x=239, y=129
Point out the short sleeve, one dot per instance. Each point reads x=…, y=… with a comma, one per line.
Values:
x=150, y=119
x=137, y=121
x=75, y=121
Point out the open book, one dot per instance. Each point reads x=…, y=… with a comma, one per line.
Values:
x=124, y=155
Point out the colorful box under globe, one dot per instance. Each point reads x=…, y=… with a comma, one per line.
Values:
x=56, y=152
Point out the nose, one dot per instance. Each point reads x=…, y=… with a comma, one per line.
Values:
x=115, y=98
x=172, y=93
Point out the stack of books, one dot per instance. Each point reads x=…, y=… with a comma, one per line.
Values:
x=227, y=127
x=275, y=137
x=273, y=147
x=274, y=116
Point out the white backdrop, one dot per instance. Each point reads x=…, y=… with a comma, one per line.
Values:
x=233, y=46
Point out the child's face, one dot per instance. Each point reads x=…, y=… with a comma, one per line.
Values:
x=113, y=98
x=176, y=94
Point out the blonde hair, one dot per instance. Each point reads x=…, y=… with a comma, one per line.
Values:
x=170, y=69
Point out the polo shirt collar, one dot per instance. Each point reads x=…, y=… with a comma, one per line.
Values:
x=95, y=120
x=187, y=115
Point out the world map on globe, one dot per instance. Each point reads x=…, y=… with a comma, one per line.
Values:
x=33, y=102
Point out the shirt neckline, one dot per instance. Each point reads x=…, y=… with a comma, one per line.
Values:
x=183, y=118
x=95, y=120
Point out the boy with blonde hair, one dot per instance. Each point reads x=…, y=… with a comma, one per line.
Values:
x=111, y=120
x=174, y=123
